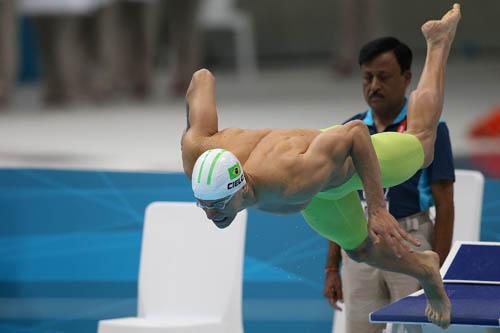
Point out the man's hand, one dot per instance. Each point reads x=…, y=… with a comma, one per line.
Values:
x=383, y=226
x=333, y=288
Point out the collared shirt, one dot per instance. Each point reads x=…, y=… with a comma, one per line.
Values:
x=415, y=195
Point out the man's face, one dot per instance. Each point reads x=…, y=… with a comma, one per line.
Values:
x=222, y=211
x=384, y=86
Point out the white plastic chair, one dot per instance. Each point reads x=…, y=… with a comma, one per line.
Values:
x=468, y=201
x=190, y=276
x=468, y=198
x=223, y=14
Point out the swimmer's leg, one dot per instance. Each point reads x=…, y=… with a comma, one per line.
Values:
x=342, y=220
x=400, y=156
x=424, y=266
x=426, y=102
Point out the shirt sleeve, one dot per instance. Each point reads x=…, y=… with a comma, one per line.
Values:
x=442, y=168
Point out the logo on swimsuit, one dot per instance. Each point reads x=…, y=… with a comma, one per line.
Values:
x=234, y=171
x=236, y=182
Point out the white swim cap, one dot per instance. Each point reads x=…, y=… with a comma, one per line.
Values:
x=217, y=174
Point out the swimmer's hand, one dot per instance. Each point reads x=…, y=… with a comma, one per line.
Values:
x=382, y=226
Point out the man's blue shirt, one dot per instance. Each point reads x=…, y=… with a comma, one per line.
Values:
x=415, y=195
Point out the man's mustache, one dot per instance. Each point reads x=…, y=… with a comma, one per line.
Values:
x=375, y=94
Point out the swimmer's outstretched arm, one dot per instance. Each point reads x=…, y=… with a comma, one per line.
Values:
x=201, y=116
x=353, y=140
x=201, y=110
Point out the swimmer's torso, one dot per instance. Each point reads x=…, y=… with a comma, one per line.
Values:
x=273, y=159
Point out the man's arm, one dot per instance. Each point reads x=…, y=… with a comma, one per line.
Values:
x=442, y=175
x=333, y=279
x=442, y=192
x=201, y=116
x=380, y=222
x=201, y=110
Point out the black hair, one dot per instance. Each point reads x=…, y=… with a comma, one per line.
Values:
x=376, y=47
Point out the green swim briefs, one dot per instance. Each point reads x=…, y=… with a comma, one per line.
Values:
x=337, y=214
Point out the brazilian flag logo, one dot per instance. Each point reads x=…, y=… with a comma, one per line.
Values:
x=234, y=171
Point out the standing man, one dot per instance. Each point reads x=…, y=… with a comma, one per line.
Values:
x=385, y=65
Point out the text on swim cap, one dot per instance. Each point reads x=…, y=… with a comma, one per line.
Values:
x=236, y=182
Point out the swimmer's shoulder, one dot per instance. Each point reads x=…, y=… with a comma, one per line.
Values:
x=239, y=141
x=235, y=131
x=230, y=137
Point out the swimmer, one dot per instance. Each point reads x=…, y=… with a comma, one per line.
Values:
x=318, y=172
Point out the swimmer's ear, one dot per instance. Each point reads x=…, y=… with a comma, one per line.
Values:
x=244, y=190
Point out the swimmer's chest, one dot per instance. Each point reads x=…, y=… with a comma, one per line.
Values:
x=275, y=192
x=281, y=208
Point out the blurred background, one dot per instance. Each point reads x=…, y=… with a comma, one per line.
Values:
x=89, y=71
x=92, y=111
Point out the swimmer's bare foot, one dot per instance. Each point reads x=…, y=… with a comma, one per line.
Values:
x=442, y=31
x=438, y=309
